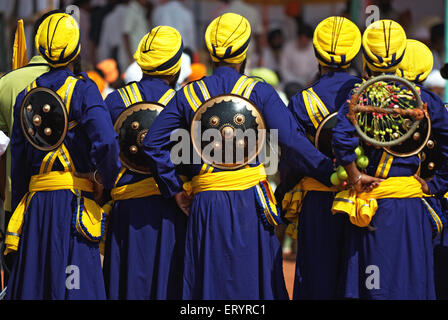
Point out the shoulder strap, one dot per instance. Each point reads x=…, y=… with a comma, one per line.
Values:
x=130, y=94
x=384, y=165
x=244, y=86
x=166, y=97
x=315, y=108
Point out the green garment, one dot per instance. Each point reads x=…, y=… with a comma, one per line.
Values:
x=11, y=84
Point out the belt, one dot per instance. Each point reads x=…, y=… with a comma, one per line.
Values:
x=238, y=180
x=292, y=201
x=51, y=181
x=361, y=207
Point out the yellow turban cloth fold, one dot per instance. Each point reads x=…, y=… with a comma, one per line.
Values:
x=58, y=40
x=384, y=45
x=336, y=41
x=417, y=62
x=159, y=52
x=227, y=38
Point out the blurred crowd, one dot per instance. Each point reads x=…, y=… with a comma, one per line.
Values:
x=281, y=53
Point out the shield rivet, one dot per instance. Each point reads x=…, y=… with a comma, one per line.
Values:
x=133, y=149
x=29, y=108
x=416, y=136
x=431, y=166
x=47, y=131
x=214, y=121
x=30, y=131
x=239, y=119
x=135, y=125
x=46, y=108
x=37, y=120
x=227, y=132
x=430, y=144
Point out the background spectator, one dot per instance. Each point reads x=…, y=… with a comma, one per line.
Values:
x=175, y=14
x=297, y=61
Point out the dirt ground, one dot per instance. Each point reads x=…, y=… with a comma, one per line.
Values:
x=289, y=264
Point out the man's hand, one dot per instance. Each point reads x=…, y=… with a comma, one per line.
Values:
x=425, y=187
x=360, y=181
x=98, y=188
x=184, y=201
x=366, y=183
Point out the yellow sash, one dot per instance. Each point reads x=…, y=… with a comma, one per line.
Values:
x=242, y=179
x=292, y=201
x=239, y=180
x=55, y=180
x=144, y=188
x=361, y=207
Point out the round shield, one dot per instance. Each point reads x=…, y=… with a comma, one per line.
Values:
x=324, y=134
x=430, y=159
x=416, y=143
x=228, y=131
x=131, y=126
x=387, y=111
x=43, y=118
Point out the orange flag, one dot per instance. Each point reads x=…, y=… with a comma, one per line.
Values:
x=19, y=58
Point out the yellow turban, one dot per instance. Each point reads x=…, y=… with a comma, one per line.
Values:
x=228, y=37
x=159, y=51
x=383, y=44
x=57, y=39
x=336, y=42
x=417, y=62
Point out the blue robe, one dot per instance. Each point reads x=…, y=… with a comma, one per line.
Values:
x=320, y=233
x=145, y=241
x=396, y=260
x=229, y=252
x=51, y=253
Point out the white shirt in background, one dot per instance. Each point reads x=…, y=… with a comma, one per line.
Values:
x=112, y=36
x=135, y=24
x=298, y=65
x=4, y=141
x=176, y=15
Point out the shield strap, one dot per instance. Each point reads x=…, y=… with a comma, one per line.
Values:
x=384, y=165
x=130, y=94
x=243, y=87
x=315, y=108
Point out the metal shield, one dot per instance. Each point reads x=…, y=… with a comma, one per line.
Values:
x=324, y=134
x=415, y=143
x=131, y=126
x=228, y=131
x=44, y=119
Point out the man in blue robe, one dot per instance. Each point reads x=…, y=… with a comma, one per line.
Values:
x=145, y=242
x=56, y=226
x=320, y=234
x=389, y=251
x=231, y=252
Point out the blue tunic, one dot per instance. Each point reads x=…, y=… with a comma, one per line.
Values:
x=398, y=254
x=229, y=252
x=441, y=257
x=320, y=233
x=145, y=241
x=54, y=261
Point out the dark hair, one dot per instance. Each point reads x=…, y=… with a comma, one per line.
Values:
x=43, y=17
x=291, y=88
x=274, y=33
x=437, y=32
x=305, y=29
